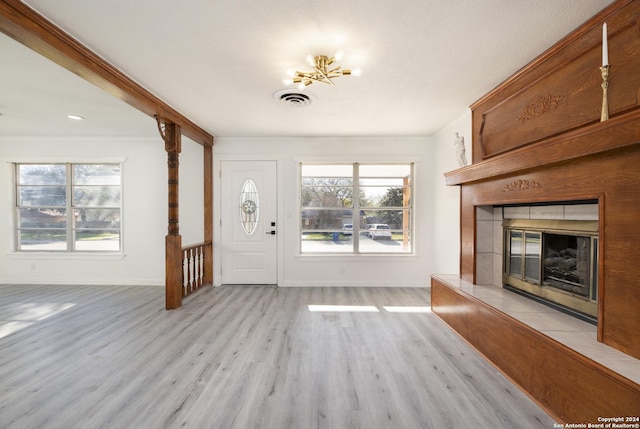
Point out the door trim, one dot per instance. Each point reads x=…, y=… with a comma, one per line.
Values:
x=217, y=212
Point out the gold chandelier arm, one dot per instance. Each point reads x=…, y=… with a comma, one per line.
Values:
x=320, y=79
x=326, y=79
x=314, y=77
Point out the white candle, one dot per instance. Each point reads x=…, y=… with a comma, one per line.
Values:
x=605, y=46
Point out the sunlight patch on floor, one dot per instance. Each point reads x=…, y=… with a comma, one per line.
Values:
x=26, y=314
x=344, y=308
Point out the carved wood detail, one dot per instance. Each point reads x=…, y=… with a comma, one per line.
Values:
x=170, y=133
x=521, y=185
x=539, y=107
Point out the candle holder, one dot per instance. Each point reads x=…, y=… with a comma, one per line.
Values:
x=604, y=70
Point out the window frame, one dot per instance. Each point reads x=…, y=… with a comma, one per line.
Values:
x=71, y=228
x=356, y=210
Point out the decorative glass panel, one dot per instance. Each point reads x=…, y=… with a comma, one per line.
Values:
x=249, y=207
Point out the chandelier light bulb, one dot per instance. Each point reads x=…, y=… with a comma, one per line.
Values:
x=338, y=56
x=310, y=60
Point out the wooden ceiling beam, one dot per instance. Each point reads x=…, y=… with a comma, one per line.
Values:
x=33, y=30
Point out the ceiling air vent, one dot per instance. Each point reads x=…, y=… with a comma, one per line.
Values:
x=293, y=98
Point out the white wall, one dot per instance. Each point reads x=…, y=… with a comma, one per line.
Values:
x=191, y=192
x=446, y=204
x=351, y=270
x=145, y=208
x=144, y=219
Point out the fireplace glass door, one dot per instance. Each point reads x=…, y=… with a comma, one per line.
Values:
x=532, y=248
x=524, y=255
x=557, y=266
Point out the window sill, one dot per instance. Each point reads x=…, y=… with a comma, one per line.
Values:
x=68, y=256
x=357, y=257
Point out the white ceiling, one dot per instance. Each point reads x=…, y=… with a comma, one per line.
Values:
x=220, y=62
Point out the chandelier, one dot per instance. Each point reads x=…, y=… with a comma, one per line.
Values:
x=322, y=71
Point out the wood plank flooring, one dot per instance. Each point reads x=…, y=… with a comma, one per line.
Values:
x=243, y=357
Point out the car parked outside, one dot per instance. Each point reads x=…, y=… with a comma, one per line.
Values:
x=347, y=229
x=380, y=230
x=365, y=231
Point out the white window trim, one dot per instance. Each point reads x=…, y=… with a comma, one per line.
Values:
x=356, y=255
x=63, y=255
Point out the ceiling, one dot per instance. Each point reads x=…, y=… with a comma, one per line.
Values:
x=220, y=62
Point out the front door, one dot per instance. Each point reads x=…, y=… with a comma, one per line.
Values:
x=248, y=223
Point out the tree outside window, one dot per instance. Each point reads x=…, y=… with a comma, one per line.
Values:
x=68, y=207
x=377, y=221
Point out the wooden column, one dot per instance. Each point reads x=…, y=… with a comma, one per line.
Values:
x=170, y=133
x=23, y=24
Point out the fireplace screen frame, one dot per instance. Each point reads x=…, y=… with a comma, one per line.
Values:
x=529, y=277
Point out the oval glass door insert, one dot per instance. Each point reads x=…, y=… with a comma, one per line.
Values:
x=249, y=207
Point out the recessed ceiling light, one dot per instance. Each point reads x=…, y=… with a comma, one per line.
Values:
x=75, y=117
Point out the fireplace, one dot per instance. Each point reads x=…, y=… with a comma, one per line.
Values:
x=555, y=262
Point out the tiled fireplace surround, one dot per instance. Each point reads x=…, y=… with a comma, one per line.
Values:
x=574, y=333
x=489, y=241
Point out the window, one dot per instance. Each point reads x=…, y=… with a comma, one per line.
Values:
x=68, y=207
x=356, y=208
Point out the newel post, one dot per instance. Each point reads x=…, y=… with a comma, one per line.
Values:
x=171, y=135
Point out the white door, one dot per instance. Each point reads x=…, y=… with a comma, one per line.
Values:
x=248, y=224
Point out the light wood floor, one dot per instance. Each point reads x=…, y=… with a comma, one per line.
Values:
x=243, y=357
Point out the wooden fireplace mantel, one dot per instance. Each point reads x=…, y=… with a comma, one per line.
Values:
x=538, y=138
x=593, y=140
